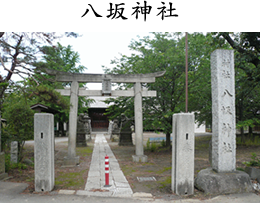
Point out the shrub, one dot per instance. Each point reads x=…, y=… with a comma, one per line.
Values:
x=254, y=161
x=153, y=147
x=19, y=117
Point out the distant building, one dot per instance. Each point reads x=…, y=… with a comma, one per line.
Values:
x=100, y=122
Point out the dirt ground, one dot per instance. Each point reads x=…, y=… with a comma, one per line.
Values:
x=158, y=166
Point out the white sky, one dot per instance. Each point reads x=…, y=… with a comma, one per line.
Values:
x=97, y=49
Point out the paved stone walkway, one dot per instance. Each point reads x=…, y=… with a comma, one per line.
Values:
x=96, y=175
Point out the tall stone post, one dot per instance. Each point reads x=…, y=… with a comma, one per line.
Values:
x=44, y=152
x=139, y=149
x=223, y=111
x=71, y=159
x=183, y=153
x=223, y=178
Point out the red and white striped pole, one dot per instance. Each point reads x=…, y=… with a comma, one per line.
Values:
x=107, y=171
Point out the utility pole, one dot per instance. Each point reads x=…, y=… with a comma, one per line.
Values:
x=186, y=70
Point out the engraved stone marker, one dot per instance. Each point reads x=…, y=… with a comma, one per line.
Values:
x=223, y=177
x=44, y=151
x=14, y=152
x=183, y=153
x=223, y=111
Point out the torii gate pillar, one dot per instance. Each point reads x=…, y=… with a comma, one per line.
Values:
x=139, y=148
x=72, y=159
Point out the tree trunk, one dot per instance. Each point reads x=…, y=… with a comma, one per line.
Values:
x=240, y=106
x=168, y=139
x=250, y=132
x=242, y=134
x=61, y=129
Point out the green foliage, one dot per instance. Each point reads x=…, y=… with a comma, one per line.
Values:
x=163, y=143
x=166, y=52
x=250, y=122
x=148, y=144
x=7, y=162
x=9, y=166
x=20, y=51
x=254, y=161
x=19, y=117
x=64, y=59
x=46, y=94
x=152, y=147
x=59, y=57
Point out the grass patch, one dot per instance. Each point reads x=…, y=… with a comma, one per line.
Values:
x=164, y=170
x=166, y=182
x=127, y=170
x=68, y=180
x=249, y=141
x=202, y=142
x=240, y=169
x=84, y=151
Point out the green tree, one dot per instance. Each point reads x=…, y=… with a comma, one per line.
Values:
x=62, y=59
x=18, y=52
x=166, y=52
x=19, y=117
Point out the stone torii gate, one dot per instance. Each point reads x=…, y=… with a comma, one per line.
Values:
x=106, y=80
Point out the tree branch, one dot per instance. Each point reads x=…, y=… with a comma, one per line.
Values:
x=232, y=43
x=8, y=77
x=4, y=65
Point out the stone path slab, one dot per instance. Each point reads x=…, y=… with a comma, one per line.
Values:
x=95, y=185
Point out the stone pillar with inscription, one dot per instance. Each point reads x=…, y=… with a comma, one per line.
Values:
x=44, y=152
x=223, y=177
x=223, y=111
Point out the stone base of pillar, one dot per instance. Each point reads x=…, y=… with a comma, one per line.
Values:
x=70, y=161
x=139, y=158
x=211, y=182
